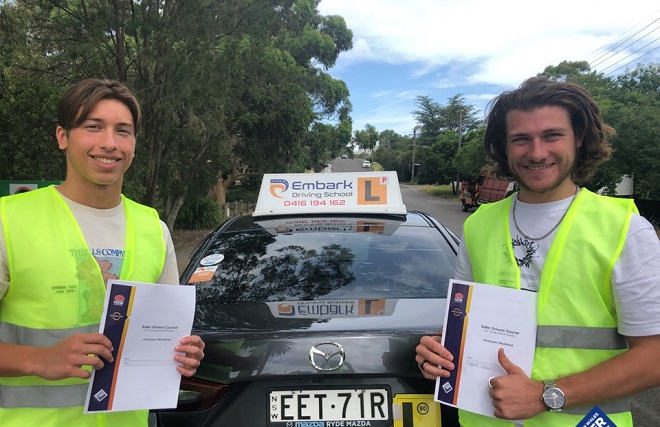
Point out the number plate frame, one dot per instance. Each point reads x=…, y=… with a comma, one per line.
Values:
x=306, y=401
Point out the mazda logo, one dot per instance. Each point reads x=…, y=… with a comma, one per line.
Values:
x=323, y=352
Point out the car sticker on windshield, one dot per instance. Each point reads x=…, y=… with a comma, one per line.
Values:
x=203, y=274
x=212, y=259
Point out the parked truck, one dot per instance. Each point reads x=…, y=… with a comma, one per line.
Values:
x=483, y=189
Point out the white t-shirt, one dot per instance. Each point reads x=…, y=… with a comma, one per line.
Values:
x=635, y=277
x=105, y=232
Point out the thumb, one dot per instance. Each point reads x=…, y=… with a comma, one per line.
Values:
x=508, y=365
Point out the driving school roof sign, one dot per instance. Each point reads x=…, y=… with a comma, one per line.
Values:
x=356, y=192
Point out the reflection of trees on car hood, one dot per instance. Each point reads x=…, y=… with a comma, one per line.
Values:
x=249, y=273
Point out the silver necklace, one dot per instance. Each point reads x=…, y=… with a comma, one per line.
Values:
x=553, y=228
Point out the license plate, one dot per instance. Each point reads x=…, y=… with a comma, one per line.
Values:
x=330, y=407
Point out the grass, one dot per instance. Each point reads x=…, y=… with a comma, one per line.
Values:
x=444, y=191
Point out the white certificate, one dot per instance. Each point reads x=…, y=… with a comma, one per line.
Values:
x=479, y=320
x=144, y=322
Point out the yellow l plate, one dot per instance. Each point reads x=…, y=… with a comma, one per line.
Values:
x=416, y=410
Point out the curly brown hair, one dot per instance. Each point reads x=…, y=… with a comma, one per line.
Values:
x=537, y=92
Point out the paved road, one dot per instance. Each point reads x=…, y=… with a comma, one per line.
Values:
x=448, y=212
x=348, y=165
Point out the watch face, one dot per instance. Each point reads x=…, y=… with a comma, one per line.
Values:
x=554, y=398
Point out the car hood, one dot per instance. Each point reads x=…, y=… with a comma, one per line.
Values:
x=378, y=336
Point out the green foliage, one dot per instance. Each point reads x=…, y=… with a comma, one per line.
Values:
x=324, y=143
x=367, y=138
x=202, y=213
x=237, y=88
x=566, y=69
x=395, y=154
x=27, y=132
x=434, y=119
x=471, y=157
x=439, y=128
x=246, y=192
x=226, y=88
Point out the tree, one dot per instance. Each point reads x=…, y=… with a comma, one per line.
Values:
x=227, y=88
x=395, y=153
x=440, y=129
x=324, y=142
x=471, y=157
x=567, y=69
x=634, y=110
x=367, y=138
x=457, y=116
x=428, y=115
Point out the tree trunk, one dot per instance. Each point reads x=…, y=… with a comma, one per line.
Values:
x=221, y=186
x=173, y=205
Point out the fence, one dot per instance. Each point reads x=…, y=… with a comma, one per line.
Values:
x=239, y=207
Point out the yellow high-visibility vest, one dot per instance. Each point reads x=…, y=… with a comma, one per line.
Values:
x=577, y=323
x=56, y=290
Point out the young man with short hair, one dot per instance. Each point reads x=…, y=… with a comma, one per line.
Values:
x=58, y=247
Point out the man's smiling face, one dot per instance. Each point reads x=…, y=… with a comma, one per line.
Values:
x=541, y=149
x=102, y=147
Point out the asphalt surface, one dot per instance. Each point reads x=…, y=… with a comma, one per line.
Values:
x=645, y=406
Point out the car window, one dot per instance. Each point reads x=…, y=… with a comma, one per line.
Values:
x=258, y=266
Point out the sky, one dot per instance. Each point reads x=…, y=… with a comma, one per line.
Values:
x=478, y=48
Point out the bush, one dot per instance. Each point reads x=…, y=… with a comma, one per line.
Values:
x=245, y=193
x=199, y=214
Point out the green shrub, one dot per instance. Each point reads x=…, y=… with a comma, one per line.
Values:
x=246, y=193
x=198, y=214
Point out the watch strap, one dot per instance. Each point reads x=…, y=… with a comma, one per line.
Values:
x=551, y=384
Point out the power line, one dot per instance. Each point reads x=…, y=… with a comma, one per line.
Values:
x=611, y=51
x=628, y=63
x=609, y=46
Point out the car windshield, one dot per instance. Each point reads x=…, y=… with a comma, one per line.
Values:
x=261, y=266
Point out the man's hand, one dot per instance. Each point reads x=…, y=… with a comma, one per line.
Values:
x=193, y=349
x=433, y=359
x=67, y=358
x=515, y=395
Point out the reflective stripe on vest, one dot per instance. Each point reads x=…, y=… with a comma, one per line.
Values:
x=612, y=407
x=59, y=396
x=578, y=337
x=40, y=337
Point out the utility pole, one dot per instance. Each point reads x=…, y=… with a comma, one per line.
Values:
x=460, y=134
x=412, y=166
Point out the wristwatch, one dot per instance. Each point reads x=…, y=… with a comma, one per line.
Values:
x=552, y=396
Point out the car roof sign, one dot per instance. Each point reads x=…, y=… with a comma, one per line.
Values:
x=350, y=192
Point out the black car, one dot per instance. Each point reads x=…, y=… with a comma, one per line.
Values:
x=311, y=317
